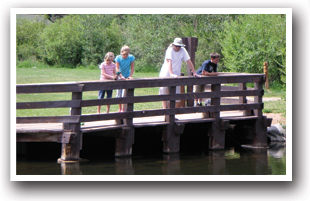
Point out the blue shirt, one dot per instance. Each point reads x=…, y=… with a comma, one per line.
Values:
x=124, y=64
x=207, y=66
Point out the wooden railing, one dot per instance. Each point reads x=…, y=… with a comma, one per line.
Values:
x=72, y=122
x=78, y=88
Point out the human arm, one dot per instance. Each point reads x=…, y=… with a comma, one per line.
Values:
x=114, y=74
x=206, y=73
x=105, y=75
x=132, y=69
x=191, y=66
x=169, y=63
x=117, y=70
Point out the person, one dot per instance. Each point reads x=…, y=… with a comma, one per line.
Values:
x=125, y=66
x=108, y=72
x=175, y=54
x=208, y=68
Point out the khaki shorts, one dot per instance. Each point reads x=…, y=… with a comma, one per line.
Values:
x=199, y=88
x=164, y=90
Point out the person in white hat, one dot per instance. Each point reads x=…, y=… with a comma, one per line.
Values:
x=175, y=55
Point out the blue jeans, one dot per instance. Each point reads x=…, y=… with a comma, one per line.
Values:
x=102, y=93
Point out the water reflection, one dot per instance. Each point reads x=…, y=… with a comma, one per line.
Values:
x=70, y=168
x=226, y=162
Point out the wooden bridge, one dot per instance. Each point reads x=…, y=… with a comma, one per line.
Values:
x=216, y=117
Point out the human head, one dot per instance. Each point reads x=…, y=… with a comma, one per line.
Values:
x=109, y=57
x=215, y=57
x=125, y=51
x=177, y=44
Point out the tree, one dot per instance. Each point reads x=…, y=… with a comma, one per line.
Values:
x=250, y=40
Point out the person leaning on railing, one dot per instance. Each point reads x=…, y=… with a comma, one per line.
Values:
x=125, y=64
x=175, y=54
x=208, y=68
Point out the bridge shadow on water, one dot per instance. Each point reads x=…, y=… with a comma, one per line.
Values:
x=147, y=157
x=148, y=142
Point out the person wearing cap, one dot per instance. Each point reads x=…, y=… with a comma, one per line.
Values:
x=175, y=55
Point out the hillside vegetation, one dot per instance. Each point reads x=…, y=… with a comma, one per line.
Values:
x=243, y=41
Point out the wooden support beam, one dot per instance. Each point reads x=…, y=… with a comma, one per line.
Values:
x=216, y=136
x=71, y=151
x=216, y=133
x=170, y=139
x=124, y=142
x=260, y=132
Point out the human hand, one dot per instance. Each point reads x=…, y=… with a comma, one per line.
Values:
x=173, y=75
x=196, y=75
x=129, y=78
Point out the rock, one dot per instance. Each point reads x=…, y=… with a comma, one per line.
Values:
x=280, y=128
x=275, y=135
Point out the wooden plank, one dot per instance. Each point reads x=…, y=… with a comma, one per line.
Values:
x=48, y=104
x=222, y=78
x=239, y=118
x=192, y=121
x=48, y=119
x=39, y=137
x=155, y=98
x=137, y=99
x=180, y=81
x=135, y=114
x=102, y=128
x=48, y=88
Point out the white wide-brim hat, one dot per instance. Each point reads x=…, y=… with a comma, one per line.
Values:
x=178, y=42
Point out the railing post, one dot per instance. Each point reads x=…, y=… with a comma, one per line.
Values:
x=191, y=47
x=266, y=74
x=216, y=134
x=124, y=142
x=258, y=99
x=243, y=100
x=71, y=151
x=170, y=139
x=260, y=127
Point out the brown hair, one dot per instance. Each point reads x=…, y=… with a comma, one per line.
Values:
x=214, y=55
x=125, y=49
x=109, y=55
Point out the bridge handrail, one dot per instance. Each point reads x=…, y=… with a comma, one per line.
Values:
x=77, y=88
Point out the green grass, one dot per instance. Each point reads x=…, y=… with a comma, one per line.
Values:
x=50, y=75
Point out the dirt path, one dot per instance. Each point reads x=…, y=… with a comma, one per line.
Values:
x=276, y=118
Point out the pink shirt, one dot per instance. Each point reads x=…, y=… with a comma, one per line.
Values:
x=108, y=69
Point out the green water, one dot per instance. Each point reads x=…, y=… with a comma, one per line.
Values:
x=239, y=161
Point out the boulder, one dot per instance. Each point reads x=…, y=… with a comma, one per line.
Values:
x=275, y=135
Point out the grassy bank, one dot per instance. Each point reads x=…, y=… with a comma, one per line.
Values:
x=50, y=75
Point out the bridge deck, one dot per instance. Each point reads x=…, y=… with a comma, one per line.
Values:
x=137, y=122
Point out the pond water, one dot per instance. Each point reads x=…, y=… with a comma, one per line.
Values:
x=232, y=161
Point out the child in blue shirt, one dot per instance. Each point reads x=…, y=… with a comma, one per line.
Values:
x=125, y=65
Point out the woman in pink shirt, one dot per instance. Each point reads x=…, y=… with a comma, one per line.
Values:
x=108, y=72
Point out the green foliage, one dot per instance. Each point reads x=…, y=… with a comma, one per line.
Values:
x=27, y=32
x=61, y=42
x=249, y=40
x=243, y=41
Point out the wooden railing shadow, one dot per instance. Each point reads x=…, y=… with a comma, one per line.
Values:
x=71, y=134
